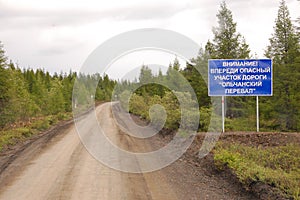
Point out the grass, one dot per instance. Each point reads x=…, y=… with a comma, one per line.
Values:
x=240, y=124
x=275, y=166
x=11, y=136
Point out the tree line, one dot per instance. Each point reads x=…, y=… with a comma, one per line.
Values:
x=280, y=112
x=28, y=93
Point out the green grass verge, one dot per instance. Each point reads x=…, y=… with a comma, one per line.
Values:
x=276, y=166
x=10, y=137
x=240, y=124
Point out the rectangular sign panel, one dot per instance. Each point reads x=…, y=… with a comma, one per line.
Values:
x=231, y=77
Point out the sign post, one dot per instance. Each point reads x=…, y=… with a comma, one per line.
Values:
x=257, y=115
x=223, y=114
x=247, y=77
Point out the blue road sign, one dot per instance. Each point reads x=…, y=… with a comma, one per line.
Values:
x=231, y=77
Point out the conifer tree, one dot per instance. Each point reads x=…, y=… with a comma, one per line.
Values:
x=284, y=46
x=227, y=43
x=3, y=84
x=284, y=50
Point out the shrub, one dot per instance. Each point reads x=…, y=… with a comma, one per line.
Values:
x=276, y=166
x=11, y=137
x=41, y=124
x=124, y=99
x=138, y=106
x=205, y=116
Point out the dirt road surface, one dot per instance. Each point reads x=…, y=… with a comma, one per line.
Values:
x=61, y=168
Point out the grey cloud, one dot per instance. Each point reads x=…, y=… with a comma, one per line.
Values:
x=14, y=18
x=151, y=12
x=50, y=51
x=60, y=47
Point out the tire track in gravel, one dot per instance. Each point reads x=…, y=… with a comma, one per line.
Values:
x=60, y=167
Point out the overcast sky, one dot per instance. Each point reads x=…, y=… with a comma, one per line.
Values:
x=59, y=34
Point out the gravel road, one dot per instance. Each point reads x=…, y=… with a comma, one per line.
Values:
x=60, y=167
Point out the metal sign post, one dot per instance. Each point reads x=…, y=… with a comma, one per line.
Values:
x=223, y=114
x=257, y=115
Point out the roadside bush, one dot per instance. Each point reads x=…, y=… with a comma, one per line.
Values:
x=276, y=166
x=172, y=110
x=172, y=107
x=138, y=106
x=157, y=116
x=12, y=136
x=209, y=120
x=124, y=98
x=190, y=119
x=205, y=115
x=41, y=124
x=61, y=116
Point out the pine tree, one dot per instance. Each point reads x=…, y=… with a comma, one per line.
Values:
x=197, y=80
x=284, y=50
x=3, y=58
x=284, y=44
x=174, y=78
x=160, y=87
x=298, y=26
x=20, y=106
x=227, y=43
x=145, y=75
x=55, y=101
x=67, y=89
x=176, y=64
x=4, y=84
x=145, y=79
